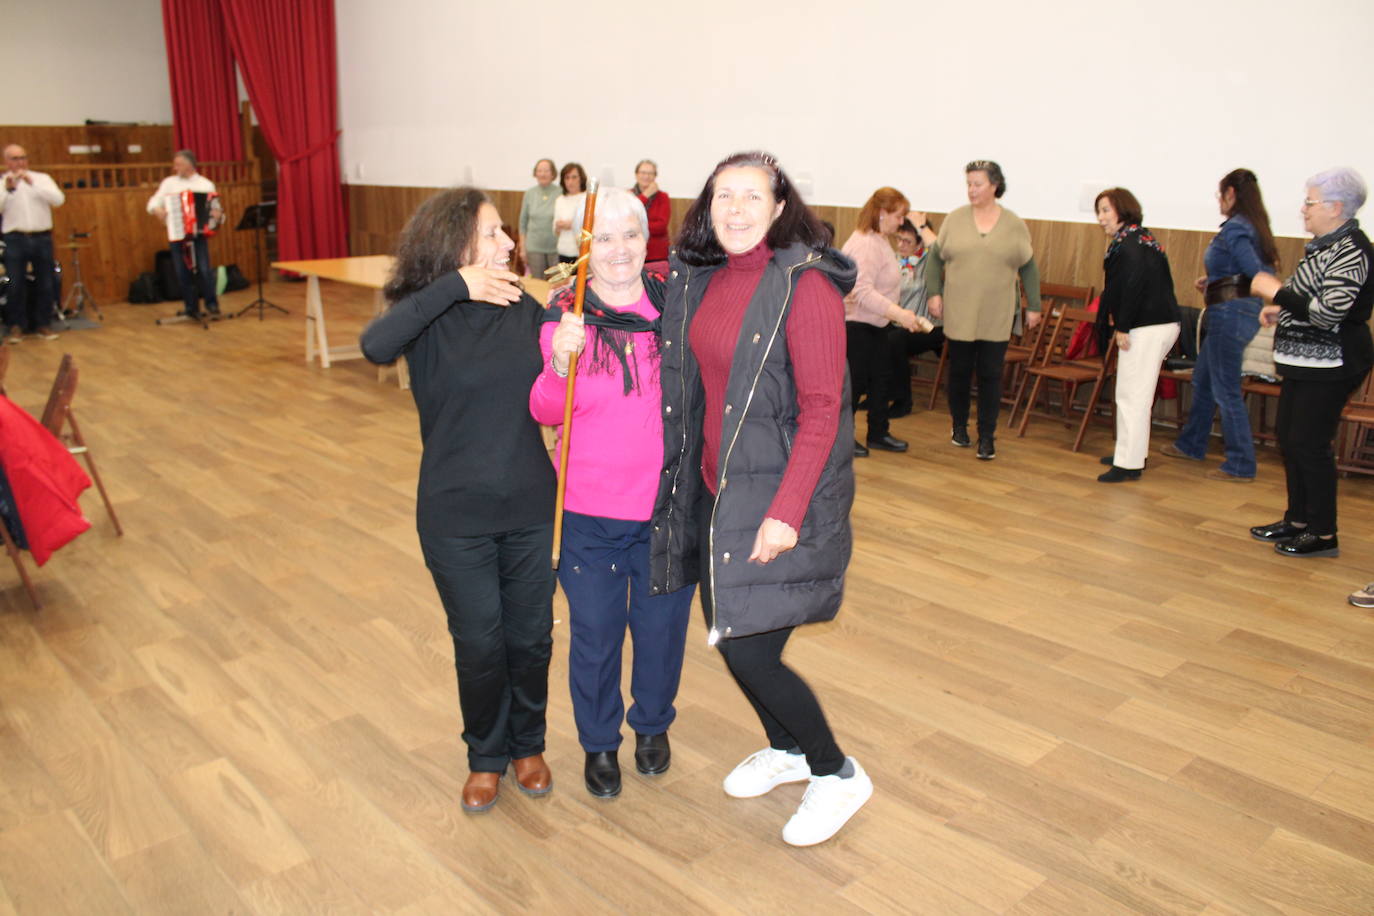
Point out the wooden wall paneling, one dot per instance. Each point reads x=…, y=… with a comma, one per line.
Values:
x=49, y=144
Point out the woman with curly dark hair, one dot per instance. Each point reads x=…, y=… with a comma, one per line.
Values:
x=485, y=504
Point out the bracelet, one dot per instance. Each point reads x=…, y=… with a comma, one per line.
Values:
x=554, y=366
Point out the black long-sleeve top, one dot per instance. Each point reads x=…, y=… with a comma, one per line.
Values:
x=1139, y=287
x=484, y=469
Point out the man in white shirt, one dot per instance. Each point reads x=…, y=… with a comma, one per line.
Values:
x=195, y=250
x=26, y=203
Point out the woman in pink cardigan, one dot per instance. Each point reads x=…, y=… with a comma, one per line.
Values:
x=873, y=304
x=613, y=470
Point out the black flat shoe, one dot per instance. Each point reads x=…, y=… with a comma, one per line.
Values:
x=959, y=436
x=987, y=450
x=887, y=444
x=1279, y=531
x=1109, y=460
x=860, y=451
x=1117, y=475
x=1308, y=544
x=602, y=774
x=653, y=756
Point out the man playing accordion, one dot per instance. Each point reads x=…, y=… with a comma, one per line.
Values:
x=187, y=201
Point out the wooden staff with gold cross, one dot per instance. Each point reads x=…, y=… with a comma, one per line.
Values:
x=561, y=272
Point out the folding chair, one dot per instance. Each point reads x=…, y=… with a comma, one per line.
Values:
x=57, y=415
x=1071, y=376
x=17, y=557
x=1354, y=450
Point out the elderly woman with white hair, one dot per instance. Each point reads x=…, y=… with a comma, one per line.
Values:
x=613, y=469
x=1323, y=350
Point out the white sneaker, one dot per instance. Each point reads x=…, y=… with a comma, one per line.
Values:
x=829, y=802
x=763, y=771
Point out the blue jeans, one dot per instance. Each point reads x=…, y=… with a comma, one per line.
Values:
x=201, y=284
x=1216, y=386
x=604, y=572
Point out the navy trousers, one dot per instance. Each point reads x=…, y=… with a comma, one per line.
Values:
x=23, y=311
x=604, y=571
x=497, y=591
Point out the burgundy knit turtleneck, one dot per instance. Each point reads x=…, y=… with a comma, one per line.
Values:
x=816, y=345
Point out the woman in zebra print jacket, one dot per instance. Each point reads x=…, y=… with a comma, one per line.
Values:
x=1323, y=351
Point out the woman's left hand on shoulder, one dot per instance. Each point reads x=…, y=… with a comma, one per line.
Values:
x=774, y=538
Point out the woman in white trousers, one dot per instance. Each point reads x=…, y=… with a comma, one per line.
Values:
x=1139, y=308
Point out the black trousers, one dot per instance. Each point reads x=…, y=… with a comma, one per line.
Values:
x=984, y=358
x=497, y=591
x=786, y=706
x=870, y=371
x=24, y=311
x=201, y=284
x=902, y=346
x=1309, y=415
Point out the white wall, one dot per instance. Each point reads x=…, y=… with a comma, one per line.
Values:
x=1162, y=97
x=69, y=60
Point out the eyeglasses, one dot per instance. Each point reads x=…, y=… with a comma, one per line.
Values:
x=1308, y=204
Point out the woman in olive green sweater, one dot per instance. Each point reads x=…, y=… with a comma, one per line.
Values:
x=981, y=251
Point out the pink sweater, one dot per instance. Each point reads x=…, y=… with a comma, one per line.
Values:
x=879, y=282
x=617, y=438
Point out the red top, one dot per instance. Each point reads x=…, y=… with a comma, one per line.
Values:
x=816, y=344
x=660, y=211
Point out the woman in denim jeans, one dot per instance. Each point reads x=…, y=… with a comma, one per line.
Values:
x=1244, y=247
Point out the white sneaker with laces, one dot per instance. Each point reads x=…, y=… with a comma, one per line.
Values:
x=830, y=801
x=763, y=771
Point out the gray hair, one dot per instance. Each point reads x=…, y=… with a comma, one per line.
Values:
x=615, y=203
x=1342, y=184
x=188, y=156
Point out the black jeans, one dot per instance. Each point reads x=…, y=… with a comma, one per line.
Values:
x=29, y=313
x=870, y=370
x=985, y=358
x=786, y=706
x=902, y=346
x=1309, y=415
x=202, y=281
x=497, y=591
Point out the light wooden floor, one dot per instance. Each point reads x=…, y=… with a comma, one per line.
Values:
x=1072, y=698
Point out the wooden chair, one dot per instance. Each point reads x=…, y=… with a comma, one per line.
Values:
x=17, y=557
x=1056, y=367
x=1261, y=390
x=1354, y=446
x=1030, y=351
x=58, y=416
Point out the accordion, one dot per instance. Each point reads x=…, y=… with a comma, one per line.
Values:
x=200, y=213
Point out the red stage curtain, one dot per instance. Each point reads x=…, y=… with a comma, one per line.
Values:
x=285, y=52
x=205, y=95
